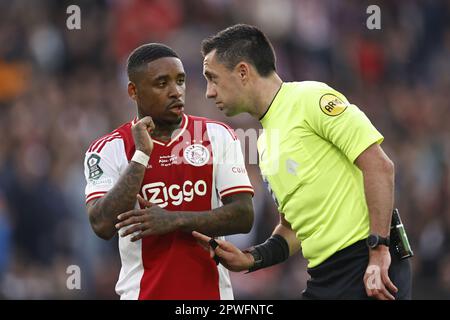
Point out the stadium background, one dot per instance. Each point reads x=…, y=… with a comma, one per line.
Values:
x=60, y=89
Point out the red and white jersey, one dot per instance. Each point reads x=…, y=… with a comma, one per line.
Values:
x=192, y=172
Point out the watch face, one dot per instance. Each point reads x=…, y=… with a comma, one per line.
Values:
x=372, y=241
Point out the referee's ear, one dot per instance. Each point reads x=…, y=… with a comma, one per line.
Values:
x=243, y=69
x=132, y=91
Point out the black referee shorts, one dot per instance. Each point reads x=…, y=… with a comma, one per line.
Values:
x=341, y=275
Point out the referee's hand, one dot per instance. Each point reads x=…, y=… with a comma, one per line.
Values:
x=229, y=256
x=376, y=279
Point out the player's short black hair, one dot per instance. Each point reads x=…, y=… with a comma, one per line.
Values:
x=146, y=53
x=242, y=42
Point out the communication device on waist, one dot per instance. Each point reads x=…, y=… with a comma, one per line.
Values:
x=399, y=239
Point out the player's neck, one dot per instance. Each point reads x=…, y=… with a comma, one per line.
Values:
x=267, y=89
x=164, y=132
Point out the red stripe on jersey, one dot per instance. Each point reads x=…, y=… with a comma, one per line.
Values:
x=104, y=142
x=235, y=187
x=231, y=192
x=99, y=140
x=93, y=198
x=94, y=195
x=96, y=142
x=230, y=130
x=96, y=192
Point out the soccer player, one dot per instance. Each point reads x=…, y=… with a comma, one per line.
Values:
x=322, y=159
x=189, y=174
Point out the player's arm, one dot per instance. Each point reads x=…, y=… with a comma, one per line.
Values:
x=232, y=185
x=280, y=246
x=121, y=197
x=235, y=216
x=103, y=211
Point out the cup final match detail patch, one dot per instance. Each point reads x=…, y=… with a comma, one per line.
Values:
x=95, y=171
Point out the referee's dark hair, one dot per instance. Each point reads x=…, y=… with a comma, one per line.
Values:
x=242, y=42
x=144, y=54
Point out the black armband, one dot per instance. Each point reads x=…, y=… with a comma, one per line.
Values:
x=273, y=251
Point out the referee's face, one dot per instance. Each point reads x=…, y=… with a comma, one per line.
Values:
x=160, y=91
x=223, y=85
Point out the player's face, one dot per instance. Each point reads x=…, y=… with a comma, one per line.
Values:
x=223, y=85
x=160, y=91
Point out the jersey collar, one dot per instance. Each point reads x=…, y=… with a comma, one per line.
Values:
x=271, y=103
x=182, y=129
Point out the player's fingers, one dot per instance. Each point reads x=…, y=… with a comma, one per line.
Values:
x=132, y=229
x=131, y=220
x=143, y=203
x=147, y=231
x=137, y=237
x=148, y=122
x=126, y=215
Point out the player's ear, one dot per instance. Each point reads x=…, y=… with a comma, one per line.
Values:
x=132, y=90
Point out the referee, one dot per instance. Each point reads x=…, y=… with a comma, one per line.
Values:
x=322, y=160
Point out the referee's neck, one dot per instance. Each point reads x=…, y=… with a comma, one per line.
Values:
x=266, y=91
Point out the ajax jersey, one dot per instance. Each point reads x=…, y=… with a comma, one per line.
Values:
x=200, y=165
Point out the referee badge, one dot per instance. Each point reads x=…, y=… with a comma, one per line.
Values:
x=332, y=105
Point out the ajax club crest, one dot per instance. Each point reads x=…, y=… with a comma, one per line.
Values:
x=196, y=154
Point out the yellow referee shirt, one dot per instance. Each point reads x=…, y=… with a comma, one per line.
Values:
x=312, y=136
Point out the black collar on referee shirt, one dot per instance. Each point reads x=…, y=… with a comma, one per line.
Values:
x=270, y=104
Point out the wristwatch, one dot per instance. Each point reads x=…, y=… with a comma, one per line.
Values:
x=375, y=240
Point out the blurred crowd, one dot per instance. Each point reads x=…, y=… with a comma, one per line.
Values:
x=60, y=89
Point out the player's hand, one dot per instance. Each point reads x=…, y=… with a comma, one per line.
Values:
x=376, y=279
x=141, y=134
x=229, y=256
x=152, y=220
x=144, y=203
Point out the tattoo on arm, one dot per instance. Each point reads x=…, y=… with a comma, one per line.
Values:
x=235, y=216
x=121, y=198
